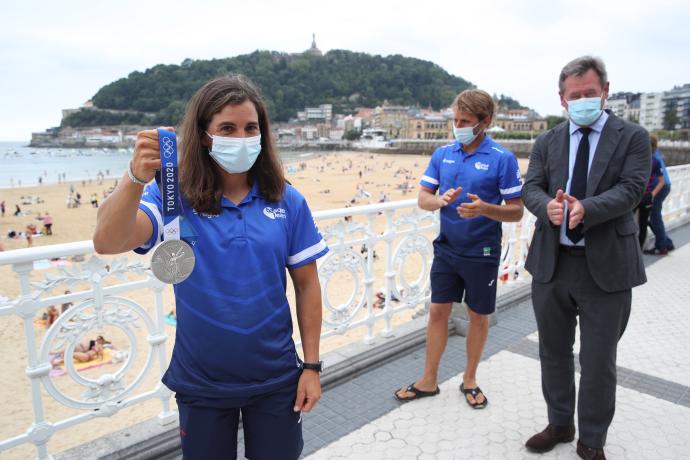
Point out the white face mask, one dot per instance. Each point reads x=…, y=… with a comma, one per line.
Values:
x=235, y=154
x=465, y=135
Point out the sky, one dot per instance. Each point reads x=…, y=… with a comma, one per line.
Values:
x=56, y=55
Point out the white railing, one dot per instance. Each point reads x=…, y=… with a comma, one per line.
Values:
x=397, y=231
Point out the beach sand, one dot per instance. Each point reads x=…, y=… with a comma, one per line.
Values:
x=327, y=181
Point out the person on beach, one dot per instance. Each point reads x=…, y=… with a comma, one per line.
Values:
x=2, y=208
x=233, y=351
x=83, y=353
x=65, y=306
x=585, y=178
x=48, y=223
x=479, y=186
x=51, y=315
x=662, y=243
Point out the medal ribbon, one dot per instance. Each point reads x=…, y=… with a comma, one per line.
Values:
x=170, y=189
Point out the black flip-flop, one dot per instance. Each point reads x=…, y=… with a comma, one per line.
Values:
x=417, y=393
x=474, y=392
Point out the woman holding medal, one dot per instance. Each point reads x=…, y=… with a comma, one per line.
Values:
x=233, y=350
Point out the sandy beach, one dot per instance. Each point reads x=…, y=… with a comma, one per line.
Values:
x=327, y=180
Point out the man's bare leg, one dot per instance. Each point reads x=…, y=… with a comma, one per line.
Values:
x=436, y=340
x=477, y=332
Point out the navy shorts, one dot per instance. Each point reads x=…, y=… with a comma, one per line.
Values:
x=455, y=280
x=208, y=427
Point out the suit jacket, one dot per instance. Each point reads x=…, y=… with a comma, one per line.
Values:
x=615, y=184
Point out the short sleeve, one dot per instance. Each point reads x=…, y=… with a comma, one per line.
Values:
x=152, y=205
x=656, y=167
x=305, y=241
x=431, y=177
x=509, y=178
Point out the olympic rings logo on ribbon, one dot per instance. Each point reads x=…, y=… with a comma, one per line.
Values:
x=171, y=231
x=168, y=147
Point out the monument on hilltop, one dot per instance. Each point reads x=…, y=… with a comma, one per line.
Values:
x=314, y=50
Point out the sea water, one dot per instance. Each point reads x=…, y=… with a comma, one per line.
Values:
x=24, y=166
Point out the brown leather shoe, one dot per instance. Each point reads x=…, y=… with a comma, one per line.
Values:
x=547, y=439
x=590, y=453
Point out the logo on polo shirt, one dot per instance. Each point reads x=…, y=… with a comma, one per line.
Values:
x=205, y=214
x=275, y=213
x=448, y=161
x=481, y=166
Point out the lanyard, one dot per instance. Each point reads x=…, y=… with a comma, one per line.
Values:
x=170, y=188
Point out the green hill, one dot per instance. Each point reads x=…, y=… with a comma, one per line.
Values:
x=289, y=83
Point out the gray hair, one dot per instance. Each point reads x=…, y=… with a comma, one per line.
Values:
x=579, y=66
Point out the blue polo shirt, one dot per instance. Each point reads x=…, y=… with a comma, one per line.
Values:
x=660, y=157
x=492, y=173
x=234, y=329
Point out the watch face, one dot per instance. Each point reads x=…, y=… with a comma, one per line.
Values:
x=313, y=366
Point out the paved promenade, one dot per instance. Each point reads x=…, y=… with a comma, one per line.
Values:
x=360, y=419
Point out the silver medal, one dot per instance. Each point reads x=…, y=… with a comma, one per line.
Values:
x=172, y=261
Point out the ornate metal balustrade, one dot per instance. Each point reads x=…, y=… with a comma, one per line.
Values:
x=388, y=245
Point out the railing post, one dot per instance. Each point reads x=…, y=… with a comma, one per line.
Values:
x=369, y=280
x=389, y=274
x=166, y=415
x=40, y=430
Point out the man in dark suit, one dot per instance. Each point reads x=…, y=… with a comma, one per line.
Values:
x=585, y=177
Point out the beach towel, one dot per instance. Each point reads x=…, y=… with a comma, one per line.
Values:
x=170, y=320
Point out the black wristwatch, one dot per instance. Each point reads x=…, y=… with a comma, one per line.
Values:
x=318, y=367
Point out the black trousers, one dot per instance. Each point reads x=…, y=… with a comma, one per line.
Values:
x=643, y=213
x=603, y=316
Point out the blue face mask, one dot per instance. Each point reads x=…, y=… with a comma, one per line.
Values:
x=465, y=135
x=235, y=154
x=585, y=111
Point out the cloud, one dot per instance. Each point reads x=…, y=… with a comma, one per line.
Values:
x=57, y=56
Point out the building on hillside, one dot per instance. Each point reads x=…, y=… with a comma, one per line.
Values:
x=392, y=118
x=335, y=134
x=364, y=113
x=86, y=105
x=625, y=105
x=429, y=125
x=308, y=133
x=523, y=120
x=652, y=111
x=322, y=113
x=677, y=108
x=351, y=122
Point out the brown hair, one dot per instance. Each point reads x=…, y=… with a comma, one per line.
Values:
x=654, y=141
x=475, y=101
x=200, y=181
x=580, y=66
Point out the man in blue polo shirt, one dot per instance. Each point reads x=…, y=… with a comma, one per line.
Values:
x=479, y=186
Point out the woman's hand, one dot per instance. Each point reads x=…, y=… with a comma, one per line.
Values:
x=147, y=158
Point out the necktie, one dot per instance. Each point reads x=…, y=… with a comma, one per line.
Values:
x=578, y=182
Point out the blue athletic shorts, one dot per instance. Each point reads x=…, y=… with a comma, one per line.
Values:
x=272, y=430
x=451, y=279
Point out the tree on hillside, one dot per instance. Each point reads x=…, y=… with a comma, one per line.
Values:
x=289, y=82
x=553, y=120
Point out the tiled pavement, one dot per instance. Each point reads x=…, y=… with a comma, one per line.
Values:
x=359, y=419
